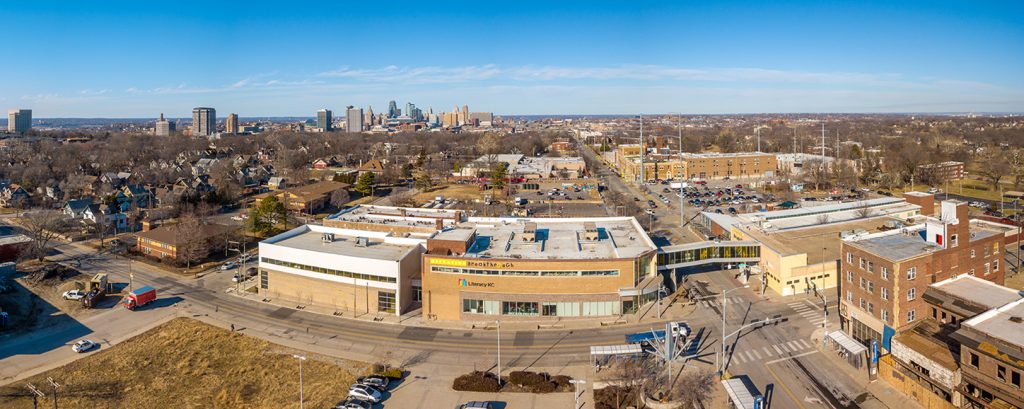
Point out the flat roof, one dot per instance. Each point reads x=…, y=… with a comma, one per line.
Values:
x=310, y=238
x=810, y=240
x=556, y=238
x=982, y=293
x=909, y=242
x=402, y=216
x=932, y=341
x=999, y=323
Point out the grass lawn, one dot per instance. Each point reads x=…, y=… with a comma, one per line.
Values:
x=189, y=364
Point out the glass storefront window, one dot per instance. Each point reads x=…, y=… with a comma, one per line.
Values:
x=385, y=301
x=519, y=308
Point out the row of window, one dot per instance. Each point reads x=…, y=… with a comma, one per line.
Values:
x=1004, y=375
x=322, y=270
x=708, y=253
x=545, y=309
x=529, y=273
x=882, y=312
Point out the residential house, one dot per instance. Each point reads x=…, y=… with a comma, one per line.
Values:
x=13, y=195
x=135, y=197
x=276, y=183
x=75, y=208
x=106, y=215
x=374, y=166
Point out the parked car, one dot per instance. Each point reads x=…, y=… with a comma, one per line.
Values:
x=246, y=257
x=377, y=381
x=228, y=266
x=83, y=346
x=364, y=392
x=74, y=295
x=475, y=405
x=354, y=404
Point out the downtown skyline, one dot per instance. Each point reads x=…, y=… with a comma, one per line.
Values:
x=127, y=60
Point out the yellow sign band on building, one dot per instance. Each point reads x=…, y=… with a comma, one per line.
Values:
x=448, y=262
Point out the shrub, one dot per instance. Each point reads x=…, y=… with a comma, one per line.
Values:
x=562, y=381
x=476, y=381
x=525, y=378
x=544, y=387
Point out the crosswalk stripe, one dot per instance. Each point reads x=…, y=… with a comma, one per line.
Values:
x=777, y=349
x=738, y=358
x=795, y=346
x=767, y=352
x=809, y=314
x=806, y=344
x=783, y=348
x=750, y=355
x=756, y=355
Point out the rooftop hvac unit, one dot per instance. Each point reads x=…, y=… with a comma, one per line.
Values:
x=590, y=232
x=327, y=238
x=362, y=241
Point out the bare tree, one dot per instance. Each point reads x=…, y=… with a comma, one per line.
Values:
x=43, y=226
x=823, y=218
x=864, y=211
x=636, y=374
x=189, y=240
x=994, y=168
x=402, y=198
x=339, y=198
x=693, y=389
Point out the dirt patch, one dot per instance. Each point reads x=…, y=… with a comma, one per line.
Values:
x=34, y=296
x=188, y=364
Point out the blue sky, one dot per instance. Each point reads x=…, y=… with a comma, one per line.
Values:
x=136, y=59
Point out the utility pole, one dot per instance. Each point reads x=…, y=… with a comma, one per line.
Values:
x=55, y=385
x=498, y=322
x=36, y=394
x=682, y=211
x=642, y=151
x=822, y=141
x=300, y=358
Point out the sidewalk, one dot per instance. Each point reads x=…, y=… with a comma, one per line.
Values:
x=881, y=395
x=673, y=309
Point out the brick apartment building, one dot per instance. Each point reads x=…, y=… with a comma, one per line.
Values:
x=944, y=171
x=883, y=276
x=992, y=358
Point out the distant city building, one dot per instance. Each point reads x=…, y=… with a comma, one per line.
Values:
x=231, y=124
x=204, y=121
x=393, y=111
x=481, y=118
x=368, y=118
x=19, y=120
x=325, y=120
x=353, y=119
x=163, y=127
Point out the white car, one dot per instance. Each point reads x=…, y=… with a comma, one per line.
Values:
x=680, y=329
x=228, y=266
x=246, y=257
x=74, y=295
x=83, y=345
x=364, y=392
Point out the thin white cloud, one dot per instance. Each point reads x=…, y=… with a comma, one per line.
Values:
x=650, y=73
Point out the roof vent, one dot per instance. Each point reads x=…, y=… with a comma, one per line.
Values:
x=327, y=238
x=362, y=241
x=530, y=232
x=590, y=232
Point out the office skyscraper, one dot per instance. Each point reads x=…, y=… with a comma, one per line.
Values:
x=393, y=111
x=353, y=119
x=19, y=120
x=204, y=121
x=163, y=127
x=231, y=124
x=325, y=120
x=368, y=118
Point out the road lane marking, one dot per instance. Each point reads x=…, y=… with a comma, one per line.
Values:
x=784, y=387
x=791, y=345
x=790, y=357
x=806, y=344
x=777, y=349
x=767, y=351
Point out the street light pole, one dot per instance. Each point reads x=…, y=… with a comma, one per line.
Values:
x=721, y=363
x=576, y=394
x=300, y=358
x=498, y=322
